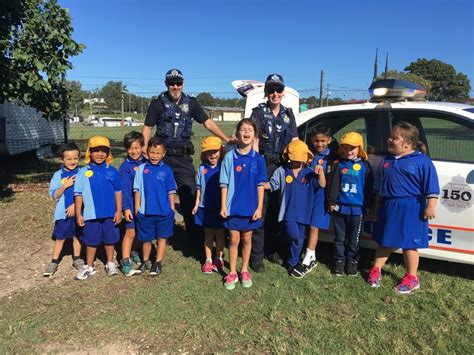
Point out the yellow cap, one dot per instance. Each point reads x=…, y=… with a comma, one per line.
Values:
x=355, y=139
x=97, y=141
x=297, y=150
x=211, y=143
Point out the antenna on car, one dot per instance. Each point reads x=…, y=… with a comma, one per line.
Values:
x=375, y=65
x=386, y=67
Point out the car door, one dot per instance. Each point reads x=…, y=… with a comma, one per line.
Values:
x=450, y=142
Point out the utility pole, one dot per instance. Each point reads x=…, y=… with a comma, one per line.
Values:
x=321, y=89
x=122, y=123
x=327, y=95
x=129, y=103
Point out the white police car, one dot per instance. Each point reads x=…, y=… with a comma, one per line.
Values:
x=447, y=129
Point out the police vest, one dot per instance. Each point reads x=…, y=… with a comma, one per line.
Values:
x=175, y=125
x=275, y=132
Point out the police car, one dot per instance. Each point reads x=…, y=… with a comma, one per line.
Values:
x=447, y=129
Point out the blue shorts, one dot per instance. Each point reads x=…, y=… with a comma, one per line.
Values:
x=320, y=218
x=150, y=227
x=100, y=231
x=242, y=223
x=130, y=225
x=400, y=224
x=66, y=229
x=208, y=219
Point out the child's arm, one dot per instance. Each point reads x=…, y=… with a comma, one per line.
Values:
x=429, y=212
x=78, y=200
x=196, y=203
x=118, y=207
x=172, y=197
x=319, y=170
x=258, y=211
x=333, y=188
x=136, y=198
x=223, y=212
x=68, y=182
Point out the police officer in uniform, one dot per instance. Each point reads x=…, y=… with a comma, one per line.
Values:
x=276, y=128
x=173, y=113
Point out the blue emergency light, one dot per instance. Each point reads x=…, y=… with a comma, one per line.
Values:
x=396, y=89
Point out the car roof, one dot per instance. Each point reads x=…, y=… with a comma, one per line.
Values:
x=455, y=108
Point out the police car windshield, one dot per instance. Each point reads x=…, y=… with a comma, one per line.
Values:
x=469, y=109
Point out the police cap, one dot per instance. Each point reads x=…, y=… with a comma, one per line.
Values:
x=174, y=76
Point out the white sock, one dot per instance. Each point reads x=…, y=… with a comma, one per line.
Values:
x=309, y=256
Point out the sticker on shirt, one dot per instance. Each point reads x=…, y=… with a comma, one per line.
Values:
x=321, y=162
x=289, y=179
x=386, y=165
x=89, y=173
x=63, y=181
x=146, y=171
x=356, y=167
x=204, y=171
x=135, y=168
x=238, y=168
x=456, y=195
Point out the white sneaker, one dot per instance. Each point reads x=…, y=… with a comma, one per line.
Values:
x=111, y=269
x=85, y=273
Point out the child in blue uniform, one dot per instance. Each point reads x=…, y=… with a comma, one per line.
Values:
x=154, y=190
x=297, y=184
x=98, y=189
x=133, y=143
x=208, y=202
x=321, y=138
x=242, y=179
x=350, y=192
x=61, y=189
x=408, y=189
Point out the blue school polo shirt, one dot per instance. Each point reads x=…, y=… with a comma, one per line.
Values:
x=154, y=183
x=242, y=174
x=296, y=193
x=67, y=198
x=127, y=171
x=321, y=159
x=412, y=175
x=207, y=180
x=98, y=184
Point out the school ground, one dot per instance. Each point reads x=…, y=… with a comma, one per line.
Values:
x=183, y=310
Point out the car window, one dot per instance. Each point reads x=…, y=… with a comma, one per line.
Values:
x=448, y=138
x=343, y=122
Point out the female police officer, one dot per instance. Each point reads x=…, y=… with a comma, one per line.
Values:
x=276, y=128
x=173, y=113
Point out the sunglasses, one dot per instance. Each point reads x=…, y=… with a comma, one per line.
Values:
x=272, y=90
x=175, y=84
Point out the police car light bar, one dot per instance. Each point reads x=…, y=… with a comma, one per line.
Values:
x=395, y=89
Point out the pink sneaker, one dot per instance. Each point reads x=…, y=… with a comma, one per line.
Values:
x=207, y=267
x=409, y=283
x=230, y=280
x=218, y=265
x=246, y=279
x=375, y=275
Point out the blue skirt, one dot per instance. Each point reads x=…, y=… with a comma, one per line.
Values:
x=242, y=223
x=208, y=218
x=400, y=224
x=320, y=218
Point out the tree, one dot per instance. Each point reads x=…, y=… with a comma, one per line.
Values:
x=37, y=55
x=111, y=92
x=206, y=99
x=75, y=96
x=447, y=84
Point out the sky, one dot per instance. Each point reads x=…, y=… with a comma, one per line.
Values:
x=216, y=41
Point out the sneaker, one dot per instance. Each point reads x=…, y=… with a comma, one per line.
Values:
x=257, y=266
x=275, y=259
x=218, y=265
x=246, y=279
x=144, y=266
x=351, y=268
x=207, y=267
x=50, y=269
x=409, y=283
x=375, y=275
x=127, y=268
x=78, y=264
x=135, y=257
x=339, y=268
x=230, y=280
x=156, y=269
x=86, y=272
x=111, y=269
x=301, y=269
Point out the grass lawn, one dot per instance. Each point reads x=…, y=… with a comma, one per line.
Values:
x=183, y=310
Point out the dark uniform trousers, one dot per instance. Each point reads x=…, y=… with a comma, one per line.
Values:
x=267, y=240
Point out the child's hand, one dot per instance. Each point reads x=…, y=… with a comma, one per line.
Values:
x=223, y=212
x=331, y=207
x=69, y=181
x=195, y=208
x=429, y=212
x=118, y=217
x=257, y=214
x=70, y=211
x=128, y=215
x=318, y=169
x=80, y=221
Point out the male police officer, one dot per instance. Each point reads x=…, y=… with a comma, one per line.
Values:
x=173, y=113
x=276, y=128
